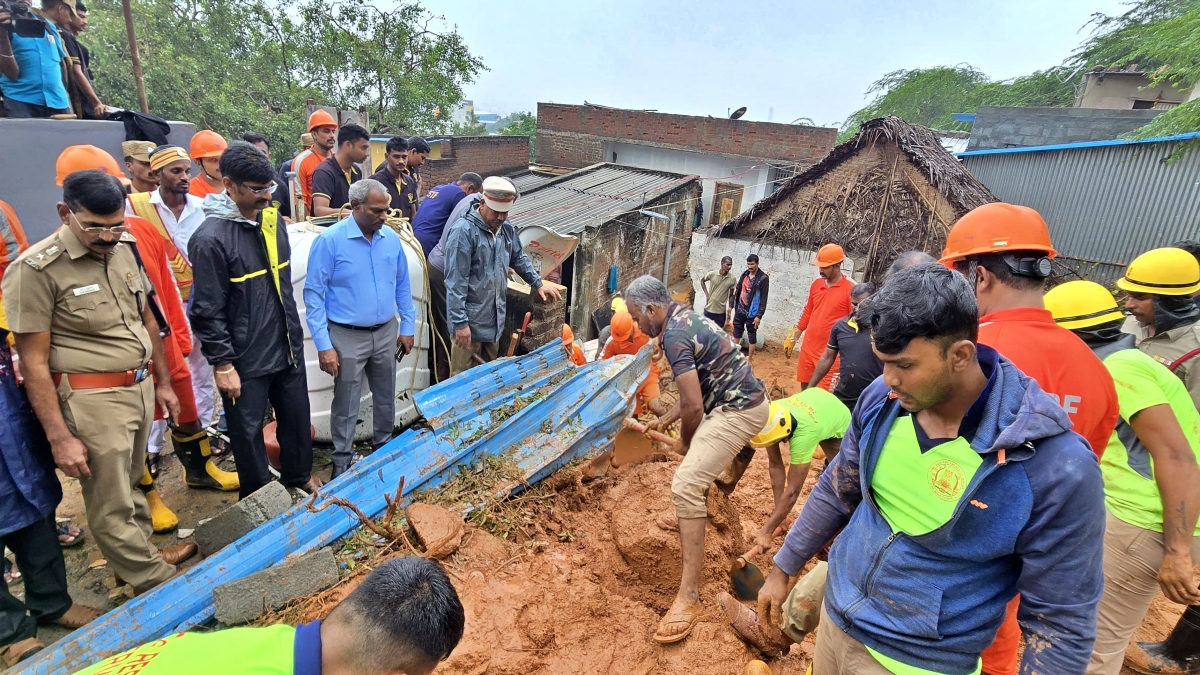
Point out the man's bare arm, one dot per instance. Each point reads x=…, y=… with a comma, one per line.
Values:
x=691, y=406
x=823, y=366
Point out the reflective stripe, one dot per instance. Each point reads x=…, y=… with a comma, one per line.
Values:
x=270, y=223
x=238, y=280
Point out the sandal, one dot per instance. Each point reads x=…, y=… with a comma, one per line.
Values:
x=744, y=622
x=688, y=619
x=152, y=464
x=11, y=573
x=77, y=616
x=69, y=534
x=20, y=650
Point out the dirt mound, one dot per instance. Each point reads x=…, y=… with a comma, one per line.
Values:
x=638, y=500
x=438, y=530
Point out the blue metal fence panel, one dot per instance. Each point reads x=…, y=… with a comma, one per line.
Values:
x=1104, y=203
x=578, y=416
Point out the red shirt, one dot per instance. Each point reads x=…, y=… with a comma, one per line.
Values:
x=200, y=187
x=1062, y=364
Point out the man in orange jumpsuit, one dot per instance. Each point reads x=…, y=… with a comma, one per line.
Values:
x=828, y=301
x=205, y=149
x=323, y=128
x=1004, y=250
x=627, y=338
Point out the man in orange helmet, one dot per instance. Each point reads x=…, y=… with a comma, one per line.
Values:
x=828, y=301
x=324, y=129
x=627, y=338
x=1004, y=251
x=206, y=148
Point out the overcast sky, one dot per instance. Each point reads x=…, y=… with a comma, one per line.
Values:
x=782, y=60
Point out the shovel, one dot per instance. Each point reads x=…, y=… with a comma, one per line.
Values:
x=746, y=576
x=632, y=443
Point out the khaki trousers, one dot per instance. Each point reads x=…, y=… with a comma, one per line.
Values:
x=114, y=424
x=720, y=437
x=837, y=653
x=1132, y=556
x=461, y=361
x=804, y=604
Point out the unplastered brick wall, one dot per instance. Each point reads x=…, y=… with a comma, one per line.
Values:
x=485, y=155
x=574, y=135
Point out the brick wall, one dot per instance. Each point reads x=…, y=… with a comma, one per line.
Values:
x=1003, y=127
x=573, y=135
x=485, y=155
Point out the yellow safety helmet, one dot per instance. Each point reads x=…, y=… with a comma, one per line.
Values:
x=779, y=426
x=1162, y=271
x=1082, y=304
x=618, y=305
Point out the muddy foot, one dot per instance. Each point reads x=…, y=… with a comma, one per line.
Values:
x=679, y=621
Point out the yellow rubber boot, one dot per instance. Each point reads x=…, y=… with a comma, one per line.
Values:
x=162, y=518
x=195, y=453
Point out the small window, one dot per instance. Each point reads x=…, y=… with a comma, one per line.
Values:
x=1143, y=105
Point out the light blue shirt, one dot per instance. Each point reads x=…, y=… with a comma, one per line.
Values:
x=356, y=282
x=41, y=78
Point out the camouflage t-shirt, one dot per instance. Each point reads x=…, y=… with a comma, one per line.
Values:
x=693, y=343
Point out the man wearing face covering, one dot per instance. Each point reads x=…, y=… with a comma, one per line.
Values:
x=1164, y=318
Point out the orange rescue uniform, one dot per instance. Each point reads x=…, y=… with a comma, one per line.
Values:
x=152, y=250
x=304, y=165
x=1065, y=367
x=649, y=389
x=14, y=243
x=201, y=188
x=826, y=305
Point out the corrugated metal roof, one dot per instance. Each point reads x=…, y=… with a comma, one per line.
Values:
x=1105, y=202
x=528, y=180
x=591, y=196
x=1077, y=146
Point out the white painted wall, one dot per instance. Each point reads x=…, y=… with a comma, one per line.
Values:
x=709, y=166
x=792, y=272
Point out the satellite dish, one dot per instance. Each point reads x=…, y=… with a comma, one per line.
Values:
x=737, y=114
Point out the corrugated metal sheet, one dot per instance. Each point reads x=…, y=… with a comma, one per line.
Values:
x=591, y=196
x=529, y=180
x=1104, y=203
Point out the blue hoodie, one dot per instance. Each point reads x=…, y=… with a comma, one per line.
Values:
x=1033, y=525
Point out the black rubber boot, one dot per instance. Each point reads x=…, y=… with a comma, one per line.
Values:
x=729, y=478
x=198, y=468
x=1179, y=654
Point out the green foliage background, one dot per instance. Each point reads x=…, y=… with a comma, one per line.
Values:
x=251, y=65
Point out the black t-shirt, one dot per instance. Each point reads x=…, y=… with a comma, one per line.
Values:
x=78, y=54
x=393, y=187
x=408, y=192
x=281, y=199
x=859, y=366
x=330, y=181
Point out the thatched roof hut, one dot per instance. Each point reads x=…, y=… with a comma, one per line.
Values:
x=892, y=188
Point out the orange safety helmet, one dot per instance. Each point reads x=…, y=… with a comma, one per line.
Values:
x=320, y=118
x=621, y=326
x=568, y=336
x=85, y=158
x=829, y=254
x=207, y=144
x=995, y=228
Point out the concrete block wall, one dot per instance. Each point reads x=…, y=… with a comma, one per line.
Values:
x=1003, y=127
x=792, y=273
x=573, y=135
x=485, y=155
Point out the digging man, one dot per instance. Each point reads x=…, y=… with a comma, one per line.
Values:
x=722, y=406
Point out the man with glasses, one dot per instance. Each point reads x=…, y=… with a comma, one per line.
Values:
x=79, y=306
x=1158, y=288
x=244, y=313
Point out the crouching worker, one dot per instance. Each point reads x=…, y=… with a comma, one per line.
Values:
x=1151, y=481
x=959, y=484
x=800, y=423
x=626, y=338
x=405, y=617
x=722, y=406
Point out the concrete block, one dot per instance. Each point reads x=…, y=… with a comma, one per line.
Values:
x=246, y=599
x=231, y=524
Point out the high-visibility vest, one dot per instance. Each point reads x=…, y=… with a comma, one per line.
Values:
x=179, y=265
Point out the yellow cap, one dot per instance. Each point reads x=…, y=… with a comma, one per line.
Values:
x=1082, y=304
x=1162, y=271
x=777, y=428
x=618, y=305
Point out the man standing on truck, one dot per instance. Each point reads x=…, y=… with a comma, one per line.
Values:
x=244, y=314
x=480, y=248
x=356, y=285
x=959, y=484
x=324, y=129
x=331, y=180
x=722, y=405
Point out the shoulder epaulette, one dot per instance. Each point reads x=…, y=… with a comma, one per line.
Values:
x=128, y=238
x=38, y=260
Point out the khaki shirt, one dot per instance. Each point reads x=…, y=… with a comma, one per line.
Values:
x=92, y=307
x=1168, y=346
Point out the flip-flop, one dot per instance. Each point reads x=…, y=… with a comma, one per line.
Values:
x=677, y=618
x=11, y=573
x=64, y=530
x=77, y=616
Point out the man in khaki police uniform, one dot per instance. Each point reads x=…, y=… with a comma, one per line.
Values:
x=78, y=305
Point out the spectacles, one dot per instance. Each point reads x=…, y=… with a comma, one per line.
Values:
x=115, y=229
x=261, y=192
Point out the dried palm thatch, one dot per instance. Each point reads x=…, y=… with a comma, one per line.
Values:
x=892, y=188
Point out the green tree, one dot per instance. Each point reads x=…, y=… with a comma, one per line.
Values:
x=251, y=65
x=472, y=127
x=522, y=124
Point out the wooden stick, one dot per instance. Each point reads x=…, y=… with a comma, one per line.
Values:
x=133, y=55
